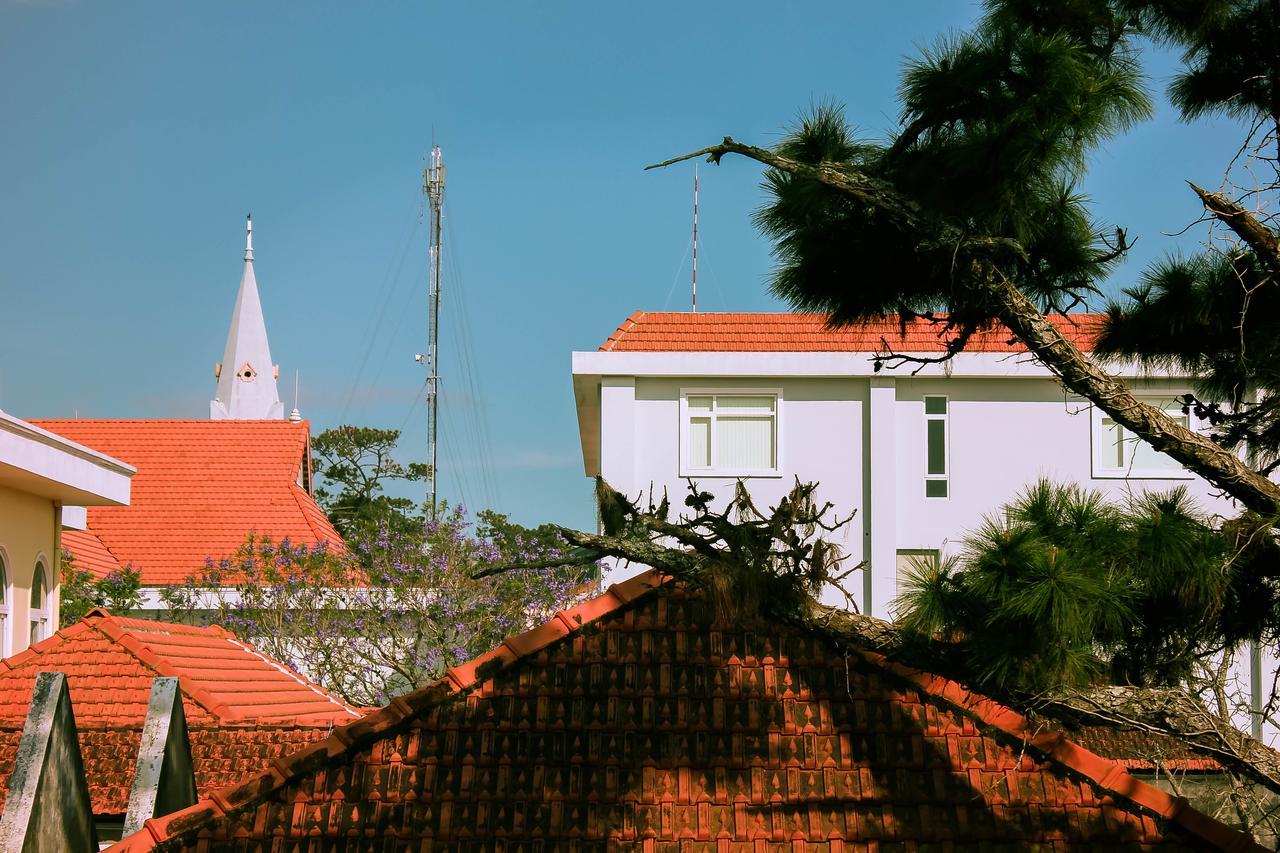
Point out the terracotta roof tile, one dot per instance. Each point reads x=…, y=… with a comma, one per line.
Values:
x=638, y=721
x=652, y=331
x=201, y=488
x=110, y=662
x=90, y=553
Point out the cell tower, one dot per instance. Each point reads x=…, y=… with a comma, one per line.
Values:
x=433, y=186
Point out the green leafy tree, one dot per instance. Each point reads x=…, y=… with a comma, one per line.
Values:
x=970, y=216
x=81, y=591
x=355, y=465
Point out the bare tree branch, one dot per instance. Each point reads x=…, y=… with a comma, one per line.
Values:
x=1257, y=236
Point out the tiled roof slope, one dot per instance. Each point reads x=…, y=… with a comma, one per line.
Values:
x=1144, y=752
x=201, y=488
x=110, y=662
x=636, y=721
x=239, y=703
x=90, y=552
x=670, y=331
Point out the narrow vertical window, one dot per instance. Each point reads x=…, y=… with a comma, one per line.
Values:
x=40, y=595
x=935, y=426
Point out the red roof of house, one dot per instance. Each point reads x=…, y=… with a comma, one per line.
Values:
x=239, y=703
x=639, y=721
x=201, y=488
x=670, y=331
x=110, y=662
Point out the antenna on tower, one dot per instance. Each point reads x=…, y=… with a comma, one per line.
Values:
x=695, y=238
x=433, y=186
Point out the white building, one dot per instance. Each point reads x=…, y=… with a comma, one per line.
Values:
x=920, y=452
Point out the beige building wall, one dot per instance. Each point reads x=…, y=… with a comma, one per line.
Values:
x=29, y=535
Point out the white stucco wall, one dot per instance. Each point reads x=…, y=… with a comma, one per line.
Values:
x=1003, y=433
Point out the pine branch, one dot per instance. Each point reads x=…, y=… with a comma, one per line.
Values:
x=981, y=280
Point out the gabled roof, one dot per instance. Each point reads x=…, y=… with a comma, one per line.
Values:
x=243, y=707
x=639, y=718
x=201, y=488
x=670, y=331
x=110, y=662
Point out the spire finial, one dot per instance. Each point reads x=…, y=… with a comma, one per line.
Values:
x=248, y=240
x=295, y=415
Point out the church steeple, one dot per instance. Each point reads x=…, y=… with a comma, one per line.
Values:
x=246, y=376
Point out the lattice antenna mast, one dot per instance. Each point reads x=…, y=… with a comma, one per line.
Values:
x=433, y=186
x=695, y=238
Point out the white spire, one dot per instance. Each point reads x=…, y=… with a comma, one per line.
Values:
x=247, y=377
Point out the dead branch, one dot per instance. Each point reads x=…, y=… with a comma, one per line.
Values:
x=1257, y=236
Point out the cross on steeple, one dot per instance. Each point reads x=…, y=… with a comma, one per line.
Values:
x=246, y=376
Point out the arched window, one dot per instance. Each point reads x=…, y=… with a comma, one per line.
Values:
x=40, y=603
x=4, y=607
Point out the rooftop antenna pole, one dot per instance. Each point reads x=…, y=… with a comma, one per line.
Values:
x=695, y=238
x=433, y=186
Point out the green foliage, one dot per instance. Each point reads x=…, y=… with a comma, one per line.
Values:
x=354, y=465
x=81, y=591
x=1065, y=588
x=998, y=125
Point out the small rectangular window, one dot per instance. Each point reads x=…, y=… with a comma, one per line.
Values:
x=733, y=434
x=935, y=426
x=1117, y=452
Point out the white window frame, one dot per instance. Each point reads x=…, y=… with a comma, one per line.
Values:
x=691, y=471
x=41, y=616
x=6, y=606
x=1168, y=403
x=945, y=418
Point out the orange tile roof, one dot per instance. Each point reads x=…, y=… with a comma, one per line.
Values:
x=670, y=331
x=638, y=720
x=90, y=552
x=243, y=707
x=110, y=662
x=201, y=488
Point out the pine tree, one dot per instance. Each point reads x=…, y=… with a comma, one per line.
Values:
x=971, y=217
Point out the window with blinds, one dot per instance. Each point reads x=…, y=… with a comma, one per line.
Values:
x=729, y=434
x=1117, y=452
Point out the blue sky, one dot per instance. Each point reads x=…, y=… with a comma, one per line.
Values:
x=139, y=134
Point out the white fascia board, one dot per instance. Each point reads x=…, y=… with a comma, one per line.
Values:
x=43, y=463
x=819, y=364
x=586, y=398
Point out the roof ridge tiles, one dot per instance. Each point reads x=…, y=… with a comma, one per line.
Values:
x=354, y=735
